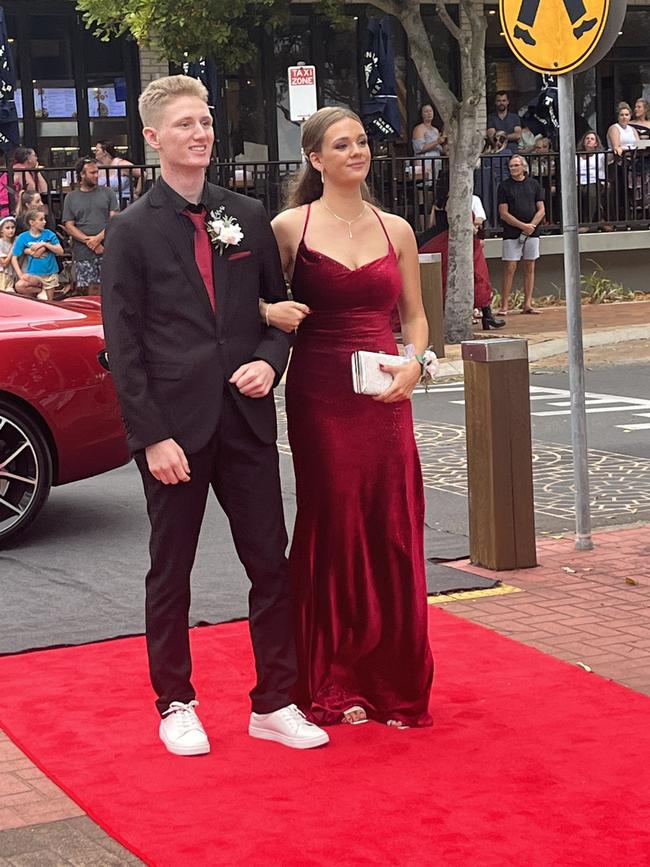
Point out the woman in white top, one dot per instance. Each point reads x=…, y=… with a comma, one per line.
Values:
x=591, y=169
x=621, y=135
x=623, y=140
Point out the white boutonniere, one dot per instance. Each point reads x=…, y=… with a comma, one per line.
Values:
x=224, y=231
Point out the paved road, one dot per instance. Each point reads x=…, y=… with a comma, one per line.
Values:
x=618, y=418
x=84, y=560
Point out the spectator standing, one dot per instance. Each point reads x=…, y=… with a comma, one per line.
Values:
x=86, y=212
x=641, y=118
x=504, y=120
x=591, y=171
x=28, y=202
x=521, y=211
x=622, y=135
x=120, y=181
x=7, y=238
x=623, y=138
x=40, y=246
x=436, y=240
x=26, y=176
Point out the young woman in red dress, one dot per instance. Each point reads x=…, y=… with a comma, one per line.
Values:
x=357, y=553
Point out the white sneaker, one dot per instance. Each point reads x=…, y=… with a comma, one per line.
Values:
x=42, y=295
x=181, y=730
x=287, y=726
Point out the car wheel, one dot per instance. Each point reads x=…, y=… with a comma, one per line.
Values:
x=25, y=471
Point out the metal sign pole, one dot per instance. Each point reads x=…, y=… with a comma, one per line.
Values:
x=573, y=310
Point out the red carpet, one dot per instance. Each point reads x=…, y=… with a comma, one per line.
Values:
x=530, y=762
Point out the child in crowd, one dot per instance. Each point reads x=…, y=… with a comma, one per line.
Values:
x=40, y=246
x=27, y=201
x=7, y=236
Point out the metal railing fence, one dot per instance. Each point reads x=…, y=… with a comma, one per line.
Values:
x=613, y=190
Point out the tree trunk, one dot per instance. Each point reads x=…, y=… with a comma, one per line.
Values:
x=463, y=147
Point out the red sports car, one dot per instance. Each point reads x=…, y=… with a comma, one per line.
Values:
x=59, y=417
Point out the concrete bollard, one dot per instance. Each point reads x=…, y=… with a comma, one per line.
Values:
x=431, y=280
x=499, y=454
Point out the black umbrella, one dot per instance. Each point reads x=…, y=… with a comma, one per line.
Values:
x=9, y=133
x=380, y=108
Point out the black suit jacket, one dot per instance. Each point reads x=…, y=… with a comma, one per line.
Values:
x=169, y=354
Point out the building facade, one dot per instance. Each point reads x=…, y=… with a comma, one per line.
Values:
x=74, y=89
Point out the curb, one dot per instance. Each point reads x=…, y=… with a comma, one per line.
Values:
x=558, y=346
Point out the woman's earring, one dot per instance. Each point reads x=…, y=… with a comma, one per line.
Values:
x=322, y=177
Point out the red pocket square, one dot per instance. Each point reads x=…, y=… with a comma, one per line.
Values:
x=239, y=255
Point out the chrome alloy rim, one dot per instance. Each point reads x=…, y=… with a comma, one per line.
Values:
x=18, y=474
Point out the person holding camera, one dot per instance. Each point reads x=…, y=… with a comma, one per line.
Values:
x=521, y=211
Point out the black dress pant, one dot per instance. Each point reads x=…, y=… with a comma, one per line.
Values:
x=244, y=474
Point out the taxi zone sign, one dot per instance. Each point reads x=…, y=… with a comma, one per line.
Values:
x=302, y=92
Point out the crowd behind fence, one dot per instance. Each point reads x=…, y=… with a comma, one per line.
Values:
x=613, y=190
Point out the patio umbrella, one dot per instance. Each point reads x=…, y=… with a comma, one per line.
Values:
x=9, y=133
x=380, y=109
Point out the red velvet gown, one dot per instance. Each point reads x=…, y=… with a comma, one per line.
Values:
x=357, y=559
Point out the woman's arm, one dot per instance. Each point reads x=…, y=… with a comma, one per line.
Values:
x=614, y=137
x=286, y=315
x=415, y=330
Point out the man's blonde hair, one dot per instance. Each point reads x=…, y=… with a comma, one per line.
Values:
x=161, y=91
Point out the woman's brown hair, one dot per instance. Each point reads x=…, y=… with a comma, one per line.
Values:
x=306, y=186
x=581, y=144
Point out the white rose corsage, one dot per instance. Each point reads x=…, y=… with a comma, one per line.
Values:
x=224, y=231
x=428, y=361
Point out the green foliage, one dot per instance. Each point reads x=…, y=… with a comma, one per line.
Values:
x=186, y=29
x=516, y=299
x=598, y=288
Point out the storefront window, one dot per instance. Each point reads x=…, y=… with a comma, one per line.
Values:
x=245, y=111
x=339, y=80
x=585, y=102
x=289, y=50
x=55, y=100
x=104, y=68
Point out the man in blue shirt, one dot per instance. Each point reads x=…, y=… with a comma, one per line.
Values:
x=37, y=248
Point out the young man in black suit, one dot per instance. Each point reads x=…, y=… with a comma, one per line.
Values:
x=194, y=367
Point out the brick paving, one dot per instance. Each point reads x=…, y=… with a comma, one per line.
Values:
x=588, y=607
x=552, y=324
x=585, y=607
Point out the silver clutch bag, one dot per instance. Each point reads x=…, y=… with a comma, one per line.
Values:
x=367, y=376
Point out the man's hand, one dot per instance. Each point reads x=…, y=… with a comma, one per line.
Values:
x=528, y=228
x=167, y=462
x=93, y=242
x=254, y=379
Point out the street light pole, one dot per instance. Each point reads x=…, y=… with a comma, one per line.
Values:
x=583, y=539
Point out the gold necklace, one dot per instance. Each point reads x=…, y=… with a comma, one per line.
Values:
x=343, y=220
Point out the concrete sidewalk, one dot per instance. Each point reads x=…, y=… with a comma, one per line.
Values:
x=603, y=325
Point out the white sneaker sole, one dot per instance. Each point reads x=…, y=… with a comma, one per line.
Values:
x=181, y=750
x=288, y=741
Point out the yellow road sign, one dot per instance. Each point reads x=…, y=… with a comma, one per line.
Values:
x=553, y=35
